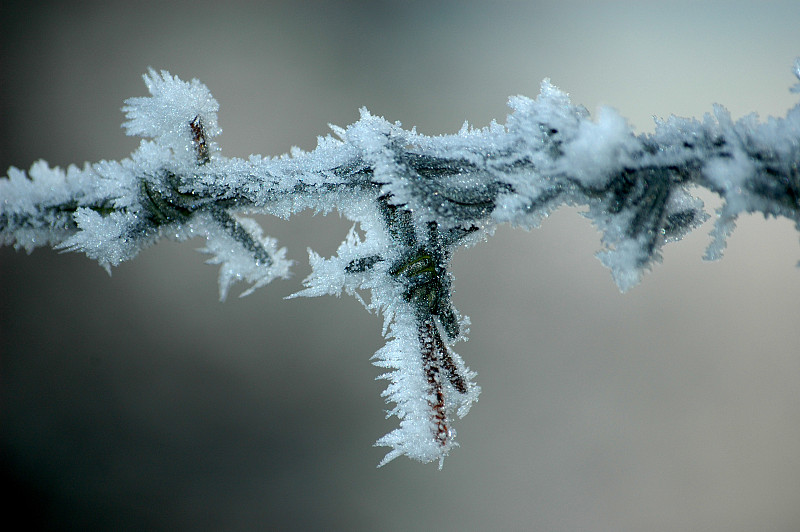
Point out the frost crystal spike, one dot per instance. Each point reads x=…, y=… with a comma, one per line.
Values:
x=416, y=199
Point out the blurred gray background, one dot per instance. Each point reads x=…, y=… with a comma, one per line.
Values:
x=140, y=402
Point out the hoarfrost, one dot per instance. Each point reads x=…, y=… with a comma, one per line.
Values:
x=416, y=199
x=238, y=261
x=173, y=106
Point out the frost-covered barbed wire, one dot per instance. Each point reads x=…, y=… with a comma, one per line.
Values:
x=415, y=200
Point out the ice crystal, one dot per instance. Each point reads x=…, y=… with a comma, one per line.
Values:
x=415, y=199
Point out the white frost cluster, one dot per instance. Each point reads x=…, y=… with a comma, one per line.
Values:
x=599, y=148
x=415, y=199
x=411, y=393
x=409, y=389
x=171, y=106
x=238, y=263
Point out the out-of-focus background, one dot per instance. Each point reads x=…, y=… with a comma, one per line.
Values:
x=139, y=402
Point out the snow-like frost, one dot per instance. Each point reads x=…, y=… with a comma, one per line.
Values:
x=237, y=262
x=415, y=199
x=166, y=115
x=410, y=391
x=600, y=148
x=103, y=238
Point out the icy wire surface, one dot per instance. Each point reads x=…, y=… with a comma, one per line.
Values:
x=416, y=199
